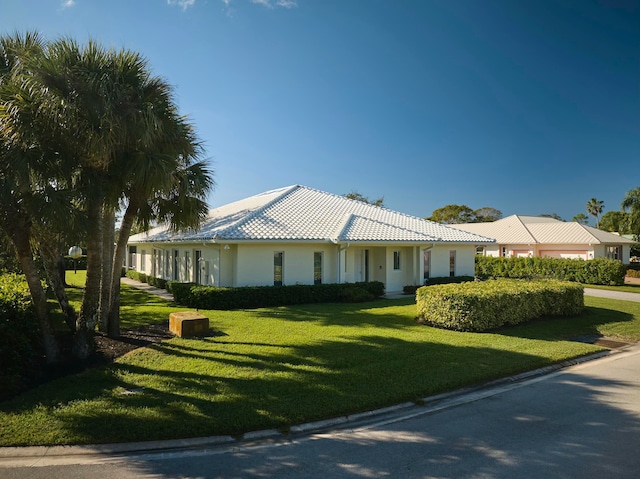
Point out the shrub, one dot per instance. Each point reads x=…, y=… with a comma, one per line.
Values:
x=633, y=273
x=20, y=347
x=138, y=276
x=595, y=271
x=157, y=282
x=482, y=306
x=411, y=289
x=209, y=297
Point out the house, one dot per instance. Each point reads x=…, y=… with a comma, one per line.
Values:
x=541, y=236
x=299, y=235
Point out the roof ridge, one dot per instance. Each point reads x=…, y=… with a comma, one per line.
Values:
x=535, y=240
x=257, y=211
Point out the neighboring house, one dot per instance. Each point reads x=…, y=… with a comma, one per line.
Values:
x=541, y=236
x=299, y=235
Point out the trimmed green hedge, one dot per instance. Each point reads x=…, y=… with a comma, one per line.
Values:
x=595, y=271
x=411, y=289
x=208, y=297
x=137, y=276
x=487, y=305
x=20, y=345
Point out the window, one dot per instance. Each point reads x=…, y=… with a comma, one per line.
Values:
x=187, y=267
x=198, y=265
x=278, y=261
x=143, y=260
x=504, y=251
x=427, y=265
x=396, y=260
x=167, y=263
x=613, y=252
x=132, y=256
x=317, y=267
x=452, y=263
x=175, y=265
x=479, y=250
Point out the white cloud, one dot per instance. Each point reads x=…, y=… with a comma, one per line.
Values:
x=278, y=3
x=68, y=3
x=184, y=4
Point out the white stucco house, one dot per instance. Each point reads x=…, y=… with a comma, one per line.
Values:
x=300, y=235
x=530, y=236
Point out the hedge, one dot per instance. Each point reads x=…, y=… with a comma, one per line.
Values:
x=411, y=289
x=486, y=305
x=595, y=271
x=209, y=297
x=20, y=345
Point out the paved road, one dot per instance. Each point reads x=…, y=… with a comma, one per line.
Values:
x=580, y=422
x=607, y=293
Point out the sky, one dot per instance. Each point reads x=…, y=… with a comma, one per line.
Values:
x=528, y=106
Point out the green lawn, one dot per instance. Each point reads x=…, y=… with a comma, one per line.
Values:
x=275, y=367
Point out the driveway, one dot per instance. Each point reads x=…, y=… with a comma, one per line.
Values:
x=605, y=293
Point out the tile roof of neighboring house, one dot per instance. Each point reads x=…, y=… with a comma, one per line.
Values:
x=299, y=213
x=517, y=229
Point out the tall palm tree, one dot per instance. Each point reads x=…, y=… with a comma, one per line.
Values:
x=21, y=188
x=594, y=208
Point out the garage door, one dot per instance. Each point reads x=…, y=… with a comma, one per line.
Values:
x=564, y=254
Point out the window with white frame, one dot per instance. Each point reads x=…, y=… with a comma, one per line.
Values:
x=427, y=266
x=143, y=260
x=317, y=267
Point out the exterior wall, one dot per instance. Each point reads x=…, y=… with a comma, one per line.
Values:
x=252, y=265
x=255, y=263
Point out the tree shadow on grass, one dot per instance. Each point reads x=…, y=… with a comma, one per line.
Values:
x=197, y=394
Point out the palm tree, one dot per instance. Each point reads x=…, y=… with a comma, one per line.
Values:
x=594, y=208
x=631, y=203
x=21, y=188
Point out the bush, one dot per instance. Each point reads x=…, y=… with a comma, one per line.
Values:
x=20, y=346
x=633, y=273
x=157, y=282
x=209, y=297
x=137, y=276
x=595, y=271
x=482, y=306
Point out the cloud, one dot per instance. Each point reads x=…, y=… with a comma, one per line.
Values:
x=276, y=3
x=68, y=3
x=184, y=4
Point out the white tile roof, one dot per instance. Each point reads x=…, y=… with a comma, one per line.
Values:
x=299, y=213
x=541, y=230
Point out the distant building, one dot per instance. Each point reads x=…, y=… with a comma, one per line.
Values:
x=518, y=236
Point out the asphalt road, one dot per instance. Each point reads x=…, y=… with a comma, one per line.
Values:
x=580, y=422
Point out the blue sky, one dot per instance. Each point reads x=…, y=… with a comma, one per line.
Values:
x=528, y=106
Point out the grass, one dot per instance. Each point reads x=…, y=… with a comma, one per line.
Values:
x=275, y=367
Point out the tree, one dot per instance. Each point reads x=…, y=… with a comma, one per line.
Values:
x=486, y=214
x=594, y=208
x=615, y=221
x=354, y=195
x=451, y=214
x=581, y=218
x=22, y=189
x=109, y=132
x=631, y=205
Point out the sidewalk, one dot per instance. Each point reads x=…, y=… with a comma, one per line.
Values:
x=162, y=293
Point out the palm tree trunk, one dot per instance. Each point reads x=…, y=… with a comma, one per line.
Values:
x=88, y=318
x=108, y=234
x=118, y=259
x=19, y=234
x=50, y=258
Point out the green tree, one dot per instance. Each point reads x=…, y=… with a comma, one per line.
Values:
x=133, y=149
x=354, y=195
x=486, y=214
x=615, y=221
x=451, y=214
x=631, y=205
x=594, y=208
x=581, y=218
